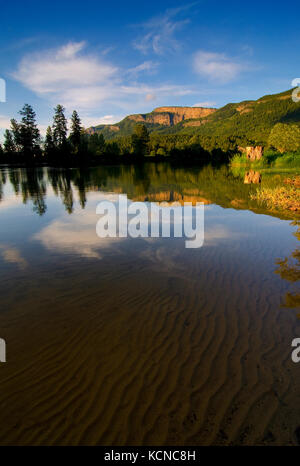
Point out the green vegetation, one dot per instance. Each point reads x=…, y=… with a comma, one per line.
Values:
x=23, y=143
x=270, y=159
x=246, y=123
x=288, y=160
x=272, y=122
x=140, y=140
x=285, y=137
x=24, y=136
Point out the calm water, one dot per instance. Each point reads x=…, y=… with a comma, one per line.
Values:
x=139, y=341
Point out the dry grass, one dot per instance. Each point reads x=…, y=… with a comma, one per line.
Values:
x=294, y=181
x=280, y=197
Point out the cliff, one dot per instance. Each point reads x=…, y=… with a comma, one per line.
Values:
x=247, y=123
x=184, y=113
x=162, y=116
x=169, y=116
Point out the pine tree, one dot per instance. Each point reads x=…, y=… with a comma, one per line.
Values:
x=76, y=130
x=9, y=145
x=96, y=144
x=140, y=140
x=27, y=133
x=59, y=127
x=15, y=131
x=49, y=144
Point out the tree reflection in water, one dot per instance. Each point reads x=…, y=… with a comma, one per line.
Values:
x=289, y=269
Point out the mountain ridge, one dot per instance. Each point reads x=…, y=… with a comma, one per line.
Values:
x=246, y=120
x=163, y=116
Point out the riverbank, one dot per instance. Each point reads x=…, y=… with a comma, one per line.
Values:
x=270, y=160
x=285, y=197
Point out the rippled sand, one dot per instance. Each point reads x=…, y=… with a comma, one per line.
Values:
x=151, y=345
x=144, y=342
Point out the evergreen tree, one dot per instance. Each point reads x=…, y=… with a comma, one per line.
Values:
x=96, y=144
x=76, y=130
x=27, y=133
x=49, y=144
x=59, y=127
x=140, y=140
x=15, y=131
x=9, y=145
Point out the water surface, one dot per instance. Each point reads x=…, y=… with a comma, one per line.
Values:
x=142, y=341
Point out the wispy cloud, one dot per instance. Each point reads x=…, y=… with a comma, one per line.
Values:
x=88, y=121
x=207, y=103
x=77, y=79
x=147, y=66
x=217, y=66
x=159, y=32
x=51, y=71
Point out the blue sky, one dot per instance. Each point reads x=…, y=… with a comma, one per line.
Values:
x=110, y=59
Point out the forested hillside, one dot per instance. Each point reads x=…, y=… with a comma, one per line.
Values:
x=235, y=124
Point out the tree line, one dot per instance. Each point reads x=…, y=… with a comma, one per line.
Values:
x=68, y=146
x=23, y=141
x=62, y=145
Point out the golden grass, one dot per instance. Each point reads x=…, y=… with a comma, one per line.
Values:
x=279, y=197
x=294, y=181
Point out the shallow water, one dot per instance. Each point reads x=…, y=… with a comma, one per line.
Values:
x=141, y=341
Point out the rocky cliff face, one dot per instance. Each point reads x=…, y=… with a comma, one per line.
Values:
x=185, y=113
x=165, y=116
x=160, y=119
x=169, y=116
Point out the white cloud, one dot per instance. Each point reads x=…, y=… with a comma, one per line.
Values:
x=88, y=121
x=159, y=36
x=216, y=66
x=76, y=233
x=76, y=79
x=52, y=71
x=146, y=66
x=208, y=103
